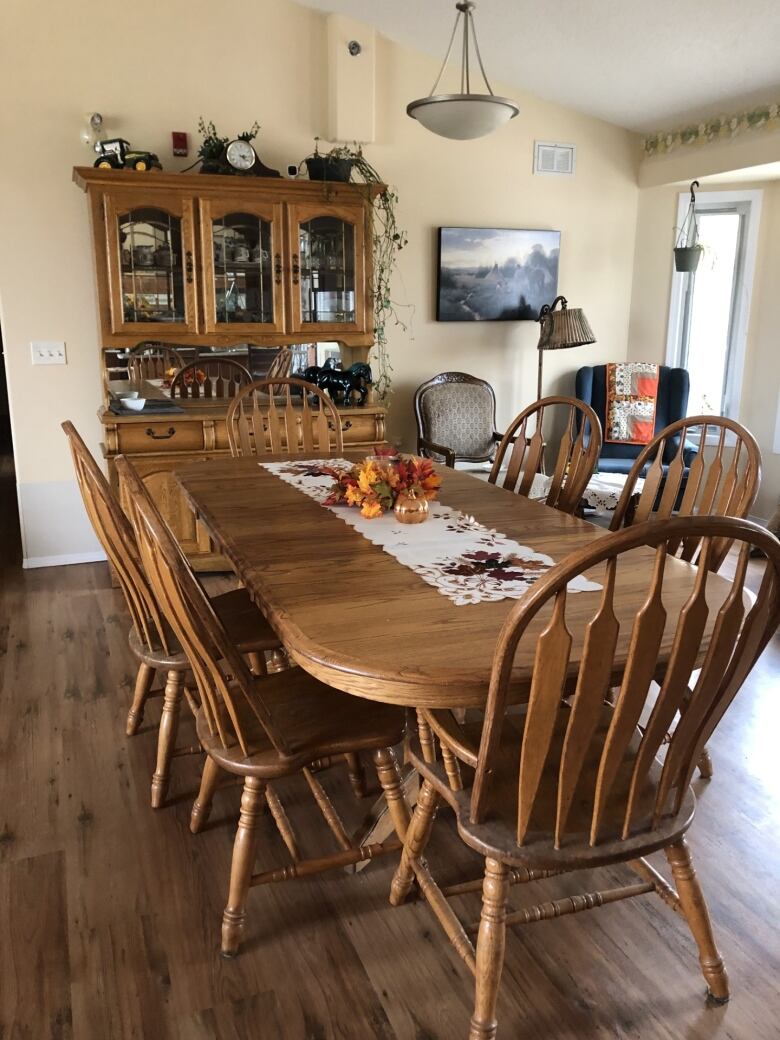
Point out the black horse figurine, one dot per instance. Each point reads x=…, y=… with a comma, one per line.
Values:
x=341, y=384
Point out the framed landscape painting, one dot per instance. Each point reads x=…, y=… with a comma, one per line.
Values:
x=495, y=274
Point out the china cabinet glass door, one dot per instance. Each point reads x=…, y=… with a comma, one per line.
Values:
x=242, y=264
x=151, y=264
x=327, y=268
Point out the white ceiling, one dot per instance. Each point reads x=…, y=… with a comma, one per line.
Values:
x=643, y=64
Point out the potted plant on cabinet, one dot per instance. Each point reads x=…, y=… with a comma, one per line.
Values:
x=688, y=249
x=335, y=165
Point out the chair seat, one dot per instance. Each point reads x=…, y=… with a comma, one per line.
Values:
x=244, y=623
x=316, y=721
x=496, y=836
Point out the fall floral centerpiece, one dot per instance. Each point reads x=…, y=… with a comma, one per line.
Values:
x=378, y=483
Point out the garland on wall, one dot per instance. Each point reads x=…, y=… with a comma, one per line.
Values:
x=765, y=117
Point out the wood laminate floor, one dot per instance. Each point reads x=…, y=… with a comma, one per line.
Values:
x=110, y=912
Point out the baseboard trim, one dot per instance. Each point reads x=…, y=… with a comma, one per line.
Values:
x=31, y=562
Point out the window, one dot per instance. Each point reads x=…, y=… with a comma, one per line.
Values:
x=710, y=307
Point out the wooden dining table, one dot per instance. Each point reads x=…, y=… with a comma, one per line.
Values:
x=357, y=619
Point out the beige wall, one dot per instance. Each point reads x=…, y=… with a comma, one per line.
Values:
x=268, y=62
x=653, y=265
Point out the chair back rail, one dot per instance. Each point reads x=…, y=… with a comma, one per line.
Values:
x=644, y=796
x=524, y=444
x=152, y=361
x=712, y=485
x=221, y=377
x=115, y=534
x=219, y=669
x=259, y=423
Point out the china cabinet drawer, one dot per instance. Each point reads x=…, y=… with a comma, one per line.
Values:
x=165, y=434
x=362, y=427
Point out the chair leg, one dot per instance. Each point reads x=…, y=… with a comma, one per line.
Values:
x=705, y=765
x=490, y=950
x=357, y=775
x=417, y=836
x=427, y=742
x=257, y=663
x=244, y=850
x=166, y=738
x=143, y=684
x=201, y=808
x=390, y=778
x=698, y=918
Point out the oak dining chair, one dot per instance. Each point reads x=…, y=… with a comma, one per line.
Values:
x=523, y=447
x=152, y=641
x=264, y=417
x=153, y=361
x=263, y=728
x=573, y=784
x=208, y=378
x=723, y=478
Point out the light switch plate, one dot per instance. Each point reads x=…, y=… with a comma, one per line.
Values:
x=49, y=352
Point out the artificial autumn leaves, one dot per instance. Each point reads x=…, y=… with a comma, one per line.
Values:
x=374, y=484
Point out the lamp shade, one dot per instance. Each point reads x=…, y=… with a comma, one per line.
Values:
x=462, y=117
x=465, y=115
x=567, y=327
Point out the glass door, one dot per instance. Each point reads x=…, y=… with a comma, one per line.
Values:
x=151, y=264
x=242, y=267
x=328, y=270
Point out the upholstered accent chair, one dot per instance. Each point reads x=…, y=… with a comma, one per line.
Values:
x=456, y=419
x=671, y=405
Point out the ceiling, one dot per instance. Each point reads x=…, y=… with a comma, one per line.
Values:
x=644, y=66
x=766, y=172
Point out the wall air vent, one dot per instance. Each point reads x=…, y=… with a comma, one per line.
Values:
x=556, y=159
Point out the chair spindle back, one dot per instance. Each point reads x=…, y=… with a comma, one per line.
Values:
x=115, y=534
x=259, y=423
x=714, y=486
x=210, y=378
x=577, y=455
x=153, y=361
x=738, y=634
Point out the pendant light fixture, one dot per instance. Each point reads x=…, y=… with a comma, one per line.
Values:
x=463, y=116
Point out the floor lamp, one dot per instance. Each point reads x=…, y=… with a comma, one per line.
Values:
x=560, y=329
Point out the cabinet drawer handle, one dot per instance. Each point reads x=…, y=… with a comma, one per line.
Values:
x=278, y=268
x=188, y=265
x=296, y=268
x=346, y=425
x=161, y=436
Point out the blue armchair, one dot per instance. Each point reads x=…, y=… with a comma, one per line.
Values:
x=671, y=405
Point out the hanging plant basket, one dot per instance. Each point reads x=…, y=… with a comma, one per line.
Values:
x=328, y=168
x=686, y=258
x=688, y=250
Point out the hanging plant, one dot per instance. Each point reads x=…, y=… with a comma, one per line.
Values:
x=388, y=240
x=688, y=249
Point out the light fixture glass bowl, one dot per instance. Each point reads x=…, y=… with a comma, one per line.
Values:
x=462, y=117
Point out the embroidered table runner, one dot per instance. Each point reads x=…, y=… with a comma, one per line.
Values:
x=453, y=552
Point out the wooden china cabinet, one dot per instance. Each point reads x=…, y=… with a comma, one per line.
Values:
x=217, y=263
